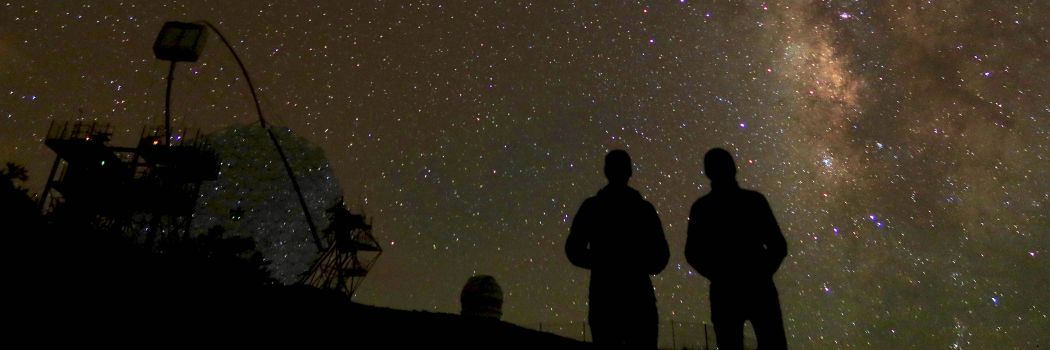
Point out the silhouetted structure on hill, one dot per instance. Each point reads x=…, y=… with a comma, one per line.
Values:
x=481, y=297
x=352, y=250
x=151, y=188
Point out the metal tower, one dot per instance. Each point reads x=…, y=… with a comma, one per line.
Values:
x=352, y=250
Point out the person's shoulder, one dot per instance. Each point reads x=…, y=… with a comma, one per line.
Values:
x=632, y=195
x=592, y=200
x=752, y=195
x=704, y=201
x=648, y=205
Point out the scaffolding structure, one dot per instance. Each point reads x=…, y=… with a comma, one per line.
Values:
x=151, y=188
x=351, y=252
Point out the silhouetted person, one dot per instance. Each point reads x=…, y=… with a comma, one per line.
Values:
x=618, y=236
x=735, y=242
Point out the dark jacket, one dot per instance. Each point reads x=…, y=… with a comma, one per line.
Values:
x=733, y=237
x=618, y=236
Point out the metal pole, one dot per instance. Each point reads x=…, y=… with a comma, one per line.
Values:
x=50, y=181
x=298, y=191
x=277, y=145
x=167, y=106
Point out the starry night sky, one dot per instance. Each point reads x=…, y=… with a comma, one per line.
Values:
x=903, y=145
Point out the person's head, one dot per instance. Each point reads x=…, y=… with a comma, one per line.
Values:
x=719, y=165
x=617, y=166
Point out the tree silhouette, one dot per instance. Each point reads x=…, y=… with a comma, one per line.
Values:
x=122, y=272
x=18, y=211
x=15, y=172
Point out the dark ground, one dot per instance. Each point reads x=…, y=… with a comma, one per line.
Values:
x=75, y=284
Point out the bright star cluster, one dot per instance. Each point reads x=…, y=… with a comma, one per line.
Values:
x=904, y=145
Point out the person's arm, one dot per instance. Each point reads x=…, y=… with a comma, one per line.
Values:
x=658, y=250
x=577, y=246
x=773, y=238
x=694, y=242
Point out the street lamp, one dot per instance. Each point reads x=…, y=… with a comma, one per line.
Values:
x=177, y=42
x=180, y=42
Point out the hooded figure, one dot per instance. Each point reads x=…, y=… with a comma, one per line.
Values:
x=618, y=236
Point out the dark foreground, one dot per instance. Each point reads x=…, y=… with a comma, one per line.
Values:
x=66, y=285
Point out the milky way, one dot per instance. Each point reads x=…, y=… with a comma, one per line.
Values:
x=903, y=145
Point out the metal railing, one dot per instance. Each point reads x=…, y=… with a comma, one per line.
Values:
x=77, y=130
